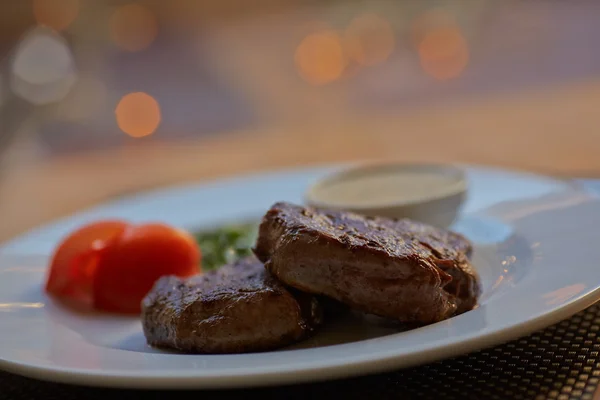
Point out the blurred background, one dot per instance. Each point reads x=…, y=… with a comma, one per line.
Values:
x=102, y=98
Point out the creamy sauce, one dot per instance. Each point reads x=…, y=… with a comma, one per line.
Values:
x=387, y=188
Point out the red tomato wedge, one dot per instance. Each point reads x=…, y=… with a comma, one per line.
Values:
x=128, y=268
x=74, y=261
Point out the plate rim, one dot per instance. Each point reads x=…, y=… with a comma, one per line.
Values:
x=133, y=379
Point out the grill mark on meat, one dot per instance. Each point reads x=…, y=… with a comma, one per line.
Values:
x=238, y=308
x=422, y=272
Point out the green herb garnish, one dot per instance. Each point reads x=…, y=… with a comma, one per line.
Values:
x=226, y=244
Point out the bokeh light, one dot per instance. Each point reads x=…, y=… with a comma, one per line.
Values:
x=56, y=14
x=444, y=53
x=133, y=27
x=138, y=114
x=441, y=45
x=369, y=39
x=42, y=68
x=320, y=57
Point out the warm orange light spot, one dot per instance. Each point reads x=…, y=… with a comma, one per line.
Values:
x=369, y=39
x=320, y=57
x=133, y=27
x=444, y=53
x=442, y=48
x=138, y=114
x=56, y=14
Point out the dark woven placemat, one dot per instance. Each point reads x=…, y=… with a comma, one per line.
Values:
x=560, y=362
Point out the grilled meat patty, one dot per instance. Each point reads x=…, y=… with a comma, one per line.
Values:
x=397, y=269
x=235, y=309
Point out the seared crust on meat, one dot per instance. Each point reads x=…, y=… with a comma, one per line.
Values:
x=398, y=269
x=235, y=309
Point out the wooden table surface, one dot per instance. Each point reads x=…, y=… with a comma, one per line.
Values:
x=552, y=130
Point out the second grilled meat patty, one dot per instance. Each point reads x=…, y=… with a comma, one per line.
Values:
x=238, y=308
x=402, y=269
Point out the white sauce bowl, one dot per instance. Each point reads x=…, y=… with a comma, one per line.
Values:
x=430, y=193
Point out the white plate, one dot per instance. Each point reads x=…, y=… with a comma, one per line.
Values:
x=535, y=241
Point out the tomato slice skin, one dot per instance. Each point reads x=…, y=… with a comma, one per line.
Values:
x=129, y=267
x=73, y=263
